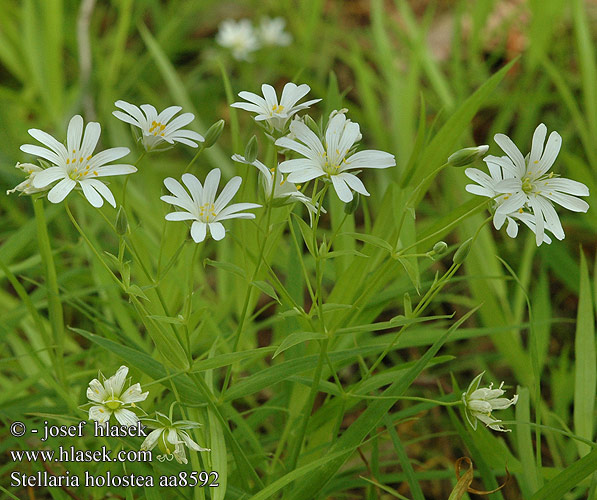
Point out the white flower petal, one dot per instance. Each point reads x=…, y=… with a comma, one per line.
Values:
x=95, y=391
x=99, y=414
x=552, y=149
x=211, y=185
x=151, y=439
x=370, y=158
x=538, y=142
x=178, y=216
x=126, y=417
x=74, y=133
x=47, y=176
x=61, y=190
x=102, y=189
x=230, y=189
x=91, y=194
x=44, y=153
x=49, y=141
x=342, y=190
x=512, y=151
x=198, y=231
x=217, y=230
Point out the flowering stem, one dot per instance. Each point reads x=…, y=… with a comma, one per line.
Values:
x=323, y=345
x=54, y=303
x=126, y=180
x=199, y=151
x=189, y=304
x=243, y=314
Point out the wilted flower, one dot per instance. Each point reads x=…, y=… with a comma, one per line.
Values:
x=271, y=32
x=157, y=129
x=26, y=187
x=479, y=403
x=239, y=37
x=333, y=158
x=269, y=110
x=76, y=164
x=285, y=192
x=170, y=437
x=202, y=207
x=112, y=399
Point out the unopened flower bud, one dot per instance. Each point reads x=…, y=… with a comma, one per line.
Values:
x=122, y=222
x=351, y=206
x=440, y=247
x=251, y=150
x=462, y=252
x=213, y=133
x=312, y=124
x=408, y=305
x=466, y=156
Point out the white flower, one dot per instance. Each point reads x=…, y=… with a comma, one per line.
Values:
x=171, y=438
x=239, y=37
x=269, y=110
x=530, y=186
x=76, y=164
x=271, y=32
x=486, y=187
x=285, y=192
x=333, y=158
x=112, y=399
x=479, y=403
x=202, y=207
x=157, y=129
x=26, y=187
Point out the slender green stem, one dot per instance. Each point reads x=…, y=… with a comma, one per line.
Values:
x=200, y=150
x=243, y=314
x=189, y=304
x=54, y=303
x=297, y=444
x=308, y=408
x=126, y=179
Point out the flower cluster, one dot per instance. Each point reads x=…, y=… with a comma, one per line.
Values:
x=329, y=155
x=108, y=397
x=242, y=39
x=524, y=190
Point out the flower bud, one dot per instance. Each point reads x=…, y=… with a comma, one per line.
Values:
x=408, y=305
x=251, y=150
x=466, y=156
x=122, y=222
x=213, y=133
x=462, y=252
x=351, y=206
x=440, y=247
x=312, y=124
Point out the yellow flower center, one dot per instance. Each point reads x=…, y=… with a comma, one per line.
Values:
x=277, y=108
x=157, y=129
x=206, y=211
